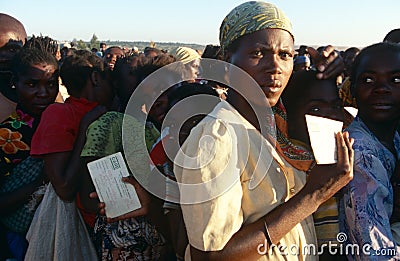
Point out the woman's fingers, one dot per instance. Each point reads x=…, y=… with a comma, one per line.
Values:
x=328, y=63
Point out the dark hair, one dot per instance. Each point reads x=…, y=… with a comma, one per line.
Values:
x=212, y=52
x=151, y=49
x=77, y=68
x=374, y=48
x=189, y=89
x=29, y=56
x=393, y=36
x=121, y=62
x=351, y=50
x=43, y=43
x=153, y=64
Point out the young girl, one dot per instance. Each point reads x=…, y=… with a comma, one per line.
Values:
x=368, y=198
x=305, y=94
x=135, y=235
x=58, y=141
x=35, y=77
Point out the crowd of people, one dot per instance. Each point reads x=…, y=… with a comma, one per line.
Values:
x=216, y=141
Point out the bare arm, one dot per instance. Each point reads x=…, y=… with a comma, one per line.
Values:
x=62, y=168
x=323, y=183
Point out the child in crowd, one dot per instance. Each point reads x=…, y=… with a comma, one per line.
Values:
x=305, y=94
x=141, y=233
x=188, y=116
x=59, y=140
x=367, y=204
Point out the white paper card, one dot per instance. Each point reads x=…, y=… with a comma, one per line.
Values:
x=353, y=111
x=322, y=137
x=119, y=197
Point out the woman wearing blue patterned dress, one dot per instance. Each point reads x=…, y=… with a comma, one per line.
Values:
x=367, y=204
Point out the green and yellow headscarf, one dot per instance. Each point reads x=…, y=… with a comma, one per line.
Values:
x=251, y=17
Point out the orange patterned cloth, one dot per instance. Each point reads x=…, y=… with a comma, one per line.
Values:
x=299, y=157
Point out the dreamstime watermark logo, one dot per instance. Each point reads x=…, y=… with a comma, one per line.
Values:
x=157, y=84
x=340, y=247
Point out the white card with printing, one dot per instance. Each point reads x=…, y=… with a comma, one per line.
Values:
x=119, y=197
x=322, y=137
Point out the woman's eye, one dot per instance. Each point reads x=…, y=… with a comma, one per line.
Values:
x=31, y=84
x=396, y=79
x=285, y=55
x=258, y=53
x=53, y=84
x=368, y=80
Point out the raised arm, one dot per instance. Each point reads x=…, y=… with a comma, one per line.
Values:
x=323, y=183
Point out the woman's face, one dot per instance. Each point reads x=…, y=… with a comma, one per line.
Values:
x=320, y=99
x=267, y=56
x=193, y=69
x=377, y=87
x=112, y=55
x=159, y=108
x=37, y=88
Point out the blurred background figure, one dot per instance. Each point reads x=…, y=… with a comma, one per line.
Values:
x=103, y=48
x=111, y=55
x=301, y=63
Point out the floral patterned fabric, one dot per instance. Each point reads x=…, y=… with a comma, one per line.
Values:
x=367, y=203
x=15, y=138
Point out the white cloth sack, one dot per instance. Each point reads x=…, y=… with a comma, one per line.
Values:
x=58, y=232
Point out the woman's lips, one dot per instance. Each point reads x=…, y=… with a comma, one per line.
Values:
x=272, y=86
x=381, y=106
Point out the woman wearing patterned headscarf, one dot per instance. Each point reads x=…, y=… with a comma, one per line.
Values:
x=190, y=59
x=248, y=197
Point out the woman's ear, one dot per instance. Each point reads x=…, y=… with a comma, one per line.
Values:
x=94, y=78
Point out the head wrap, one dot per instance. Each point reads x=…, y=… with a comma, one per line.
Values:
x=185, y=54
x=251, y=17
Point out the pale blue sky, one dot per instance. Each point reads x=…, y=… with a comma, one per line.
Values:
x=338, y=22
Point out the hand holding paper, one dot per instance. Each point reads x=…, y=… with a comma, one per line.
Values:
x=322, y=137
x=107, y=173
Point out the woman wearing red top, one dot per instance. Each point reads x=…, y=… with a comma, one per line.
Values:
x=88, y=83
x=58, y=140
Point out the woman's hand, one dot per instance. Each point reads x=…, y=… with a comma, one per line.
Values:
x=325, y=180
x=143, y=196
x=328, y=63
